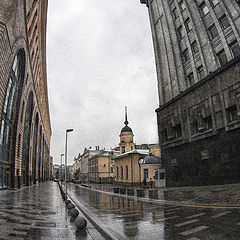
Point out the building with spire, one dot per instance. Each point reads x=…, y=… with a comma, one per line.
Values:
x=126, y=137
x=130, y=167
x=197, y=53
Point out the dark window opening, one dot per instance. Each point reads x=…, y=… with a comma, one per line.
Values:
x=200, y=73
x=232, y=113
x=213, y=31
x=190, y=79
x=224, y=21
x=204, y=9
x=195, y=48
x=182, y=5
x=222, y=57
x=235, y=49
x=185, y=55
x=194, y=127
x=145, y=173
x=188, y=25
x=207, y=123
x=175, y=13
x=180, y=33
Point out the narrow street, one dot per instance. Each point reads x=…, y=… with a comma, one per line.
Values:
x=129, y=218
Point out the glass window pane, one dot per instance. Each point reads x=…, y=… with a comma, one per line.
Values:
x=204, y=8
x=222, y=58
x=213, y=31
x=215, y=2
x=224, y=22
x=235, y=49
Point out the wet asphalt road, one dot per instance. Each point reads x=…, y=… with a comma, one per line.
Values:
x=129, y=218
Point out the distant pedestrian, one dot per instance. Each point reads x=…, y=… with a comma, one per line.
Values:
x=151, y=183
x=144, y=181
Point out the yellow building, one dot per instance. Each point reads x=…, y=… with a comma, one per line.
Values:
x=101, y=167
x=126, y=166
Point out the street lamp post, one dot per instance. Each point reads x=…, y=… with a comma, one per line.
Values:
x=67, y=131
x=61, y=168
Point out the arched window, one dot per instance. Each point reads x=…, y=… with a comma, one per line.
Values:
x=39, y=154
x=126, y=172
x=9, y=116
x=121, y=172
x=34, y=156
x=117, y=173
x=26, y=139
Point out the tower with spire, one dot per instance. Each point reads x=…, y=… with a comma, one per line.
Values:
x=126, y=137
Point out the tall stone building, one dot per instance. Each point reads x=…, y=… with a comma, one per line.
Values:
x=25, y=128
x=197, y=54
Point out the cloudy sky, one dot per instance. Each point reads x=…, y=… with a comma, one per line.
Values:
x=100, y=59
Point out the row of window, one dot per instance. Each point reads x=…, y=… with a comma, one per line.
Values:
x=197, y=126
x=123, y=149
x=223, y=20
x=204, y=8
x=222, y=58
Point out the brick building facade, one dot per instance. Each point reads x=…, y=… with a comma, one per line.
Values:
x=197, y=56
x=25, y=128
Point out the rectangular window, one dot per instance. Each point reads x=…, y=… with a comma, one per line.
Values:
x=213, y=31
x=180, y=32
x=175, y=13
x=123, y=149
x=214, y=2
x=195, y=48
x=185, y=55
x=164, y=135
x=207, y=123
x=222, y=57
x=188, y=25
x=182, y=5
x=178, y=131
x=190, y=79
x=145, y=173
x=232, y=114
x=235, y=49
x=200, y=73
x=194, y=127
x=204, y=9
x=224, y=22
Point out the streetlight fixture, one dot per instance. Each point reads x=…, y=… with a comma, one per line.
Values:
x=67, y=131
x=61, y=168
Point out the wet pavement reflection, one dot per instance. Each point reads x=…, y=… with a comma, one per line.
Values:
x=38, y=212
x=129, y=218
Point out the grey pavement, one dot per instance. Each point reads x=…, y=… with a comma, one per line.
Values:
x=38, y=212
x=140, y=218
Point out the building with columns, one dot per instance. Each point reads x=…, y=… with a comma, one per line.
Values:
x=197, y=53
x=25, y=128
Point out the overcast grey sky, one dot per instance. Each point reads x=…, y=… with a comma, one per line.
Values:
x=100, y=58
